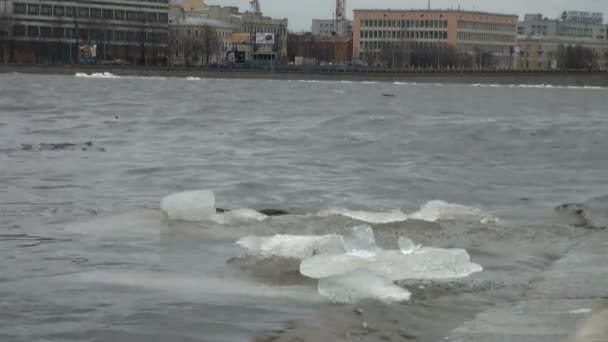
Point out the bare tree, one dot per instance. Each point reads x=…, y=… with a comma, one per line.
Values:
x=6, y=28
x=210, y=43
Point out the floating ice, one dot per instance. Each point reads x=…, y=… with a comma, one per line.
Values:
x=292, y=246
x=407, y=246
x=432, y=211
x=238, y=216
x=366, y=216
x=361, y=238
x=192, y=78
x=352, y=267
x=359, y=285
x=439, y=210
x=191, y=206
x=424, y=263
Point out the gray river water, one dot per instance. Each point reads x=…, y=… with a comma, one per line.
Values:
x=87, y=254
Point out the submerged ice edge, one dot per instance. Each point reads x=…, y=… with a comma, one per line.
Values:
x=199, y=206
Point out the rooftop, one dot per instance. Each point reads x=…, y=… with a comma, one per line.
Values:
x=434, y=11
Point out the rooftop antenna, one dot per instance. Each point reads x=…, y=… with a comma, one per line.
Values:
x=429, y=5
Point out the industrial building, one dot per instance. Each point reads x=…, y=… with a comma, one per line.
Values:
x=480, y=39
x=40, y=31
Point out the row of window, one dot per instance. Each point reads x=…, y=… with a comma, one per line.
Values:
x=404, y=23
x=485, y=37
x=86, y=12
x=479, y=26
x=483, y=48
x=365, y=34
x=375, y=45
x=87, y=34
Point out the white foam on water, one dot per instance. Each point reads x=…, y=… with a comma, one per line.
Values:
x=192, y=78
x=108, y=75
x=96, y=75
x=367, y=216
x=292, y=246
x=535, y=86
x=580, y=311
x=190, y=206
x=359, y=285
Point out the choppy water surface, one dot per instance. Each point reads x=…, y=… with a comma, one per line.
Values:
x=87, y=254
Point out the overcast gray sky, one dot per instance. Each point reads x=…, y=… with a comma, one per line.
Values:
x=301, y=12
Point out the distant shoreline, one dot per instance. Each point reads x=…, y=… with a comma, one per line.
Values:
x=593, y=79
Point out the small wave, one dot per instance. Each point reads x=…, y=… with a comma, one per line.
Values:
x=109, y=75
x=432, y=211
x=537, y=86
x=192, y=78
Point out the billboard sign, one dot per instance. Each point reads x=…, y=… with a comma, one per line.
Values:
x=241, y=38
x=582, y=17
x=264, y=38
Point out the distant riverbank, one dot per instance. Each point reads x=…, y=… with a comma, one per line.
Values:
x=595, y=79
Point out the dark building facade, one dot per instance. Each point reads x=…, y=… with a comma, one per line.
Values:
x=101, y=31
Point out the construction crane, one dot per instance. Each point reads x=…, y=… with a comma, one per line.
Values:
x=341, y=24
x=256, y=8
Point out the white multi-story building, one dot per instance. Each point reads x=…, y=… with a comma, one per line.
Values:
x=54, y=31
x=576, y=40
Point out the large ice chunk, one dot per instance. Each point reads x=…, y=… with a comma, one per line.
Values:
x=359, y=285
x=292, y=246
x=360, y=238
x=189, y=206
x=423, y=263
x=407, y=246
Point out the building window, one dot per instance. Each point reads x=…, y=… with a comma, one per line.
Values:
x=58, y=11
x=58, y=32
x=141, y=16
x=119, y=35
x=152, y=17
x=119, y=15
x=33, y=9
x=95, y=12
x=83, y=12
x=46, y=32
x=131, y=16
x=33, y=31
x=18, y=30
x=109, y=36
x=131, y=36
x=19, y=8
x=46, y=10
x=108, y=14
x=70, y=11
